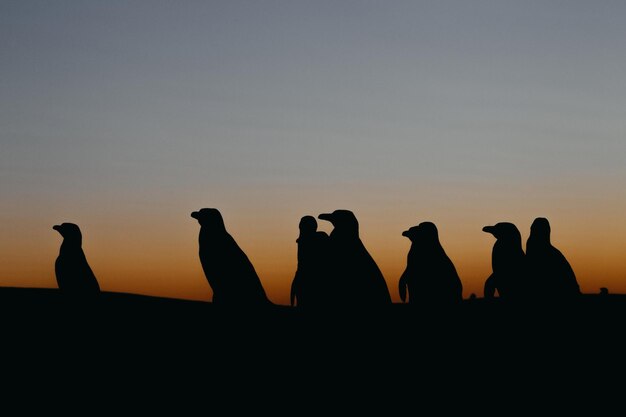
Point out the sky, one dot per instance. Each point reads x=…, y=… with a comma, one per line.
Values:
x=125, y=116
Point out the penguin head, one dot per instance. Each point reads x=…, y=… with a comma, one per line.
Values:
x=343, y=221
x=69, y=231
x=412, y=233
x=540, y=229
x=308, y=225
x=504, y=231
x=210, y=218
x=424, y=232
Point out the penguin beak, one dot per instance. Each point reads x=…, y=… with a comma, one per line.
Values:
x=195, y=215
x=405, y=233
x=489, y=229
x=326, y=216
x=56, y=227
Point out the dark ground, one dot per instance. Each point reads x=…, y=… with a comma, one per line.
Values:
x=473, y=356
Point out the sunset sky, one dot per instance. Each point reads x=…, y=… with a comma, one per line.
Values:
x=125, y=116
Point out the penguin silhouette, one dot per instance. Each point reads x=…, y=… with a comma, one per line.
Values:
x=228, y=270
x=547, y=266
x=430, y=275
x=73, y=273
x=507, y=262
x=358, y=281
x=309, y=286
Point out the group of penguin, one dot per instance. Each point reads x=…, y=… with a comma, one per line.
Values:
x=542, y=272
x=336, y=270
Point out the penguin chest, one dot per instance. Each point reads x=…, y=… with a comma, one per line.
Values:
x=71, y=270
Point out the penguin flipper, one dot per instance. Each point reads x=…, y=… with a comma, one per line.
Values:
x=92, y=283
x=490, y=287
x=294, y=289
x=402, y=288
x=571, y=283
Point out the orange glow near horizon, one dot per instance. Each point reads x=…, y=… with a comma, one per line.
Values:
x=163, y=260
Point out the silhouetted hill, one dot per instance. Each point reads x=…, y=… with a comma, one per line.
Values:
x=482, y=351
x=141, y=318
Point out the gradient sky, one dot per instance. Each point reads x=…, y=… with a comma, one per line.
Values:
x=126, y=116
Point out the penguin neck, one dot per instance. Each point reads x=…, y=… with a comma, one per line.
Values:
x=207, y=234
x=345, y=235
x=436, y=248
x=71, y=243
x=508, y=247
x=512, y=243
x=541, y=242
x=432, y=248
x=305, y=236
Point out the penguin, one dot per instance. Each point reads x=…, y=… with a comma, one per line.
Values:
x=228, y=270
x=430, y=275
x=308, y=287
x=507, y=262
x=547, y=266
x=73, y=273
x=358, y=281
